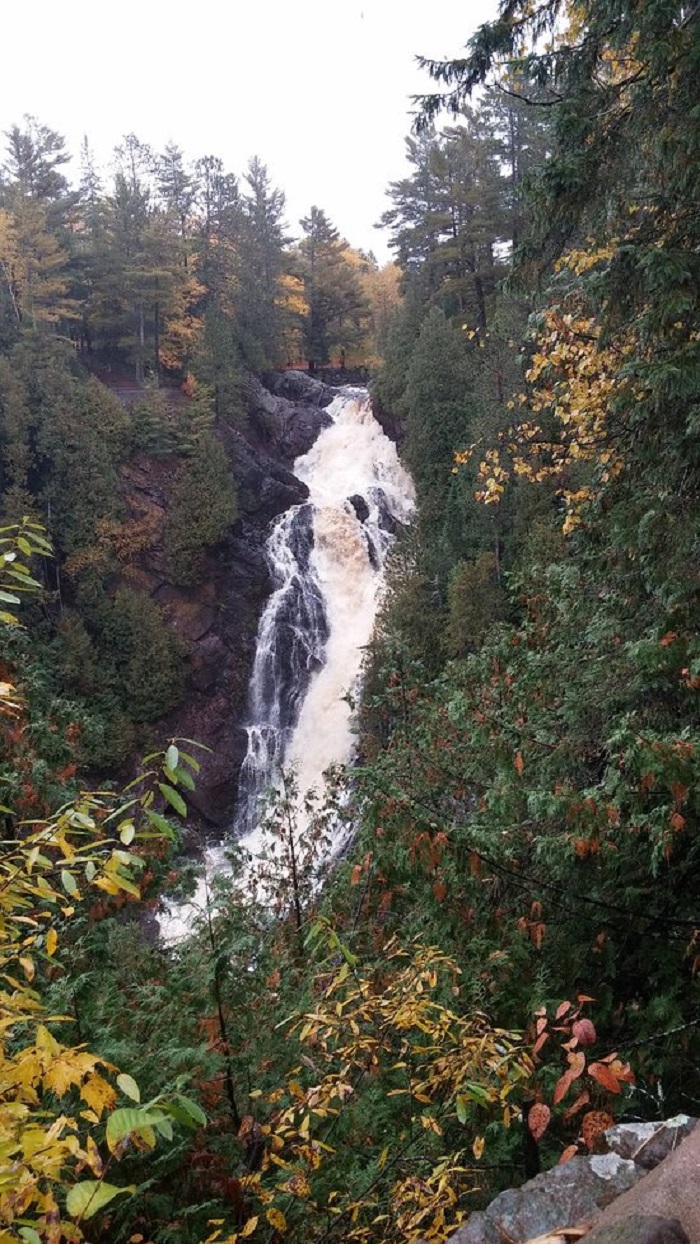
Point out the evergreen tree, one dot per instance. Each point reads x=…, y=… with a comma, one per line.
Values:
x=337, y=308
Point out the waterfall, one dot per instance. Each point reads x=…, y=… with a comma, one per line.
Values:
x=326, y=560
x=289, y=649
x=320, y=617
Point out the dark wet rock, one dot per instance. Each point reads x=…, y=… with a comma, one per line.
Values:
x=299, y=386
x=286, y=427
x=392, y=425
x=266, y=487
x=360, y=507
x=649, y=1143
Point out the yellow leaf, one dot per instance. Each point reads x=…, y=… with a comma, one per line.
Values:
x=51, y=941
x=478, y=1147
x=249, y=1227
x=276, y=1219
x=98, y=1094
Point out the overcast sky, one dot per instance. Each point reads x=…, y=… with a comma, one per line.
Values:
x=318, y=89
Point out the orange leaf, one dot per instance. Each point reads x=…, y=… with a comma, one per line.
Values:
x=622, y=1071
x=538, y=1119
x=440, y=890
x=569, y=1153
x=519, y=762
x=540, y=1042
x=581, y=1101
x=594, y=1124
x=604, y=1076
x=356, y=874
x=577, y=1065
x=561, y=1088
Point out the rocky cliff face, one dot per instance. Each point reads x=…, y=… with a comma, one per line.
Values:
x=218, y=618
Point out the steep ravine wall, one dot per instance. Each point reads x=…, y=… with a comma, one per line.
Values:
x=217, y=619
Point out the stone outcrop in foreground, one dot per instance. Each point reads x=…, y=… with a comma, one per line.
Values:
x=644, y=1190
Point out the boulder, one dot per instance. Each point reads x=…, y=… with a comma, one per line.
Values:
x=639, y=1229
x=299, y=386
x=286, y=428
x=649, y=1143
x=672, y=1190
x=564, y=1196
x=360, y=507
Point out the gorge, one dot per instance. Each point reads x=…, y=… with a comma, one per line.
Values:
x=326, y=557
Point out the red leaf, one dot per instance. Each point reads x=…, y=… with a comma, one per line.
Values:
x=541, y=1024
x=538, y=1119
x=604, y=1076
x=584, y=1031
x=562, y=1009
x=440, y=891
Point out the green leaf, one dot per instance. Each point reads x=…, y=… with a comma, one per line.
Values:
x=172, y=757
x=129, y=1087
x=174, y=798
x=184, y=778
x=68, y=882
x=190, y=760
x=160, y=823
x=461, y=1109
x=165, y=1128
x=131, y=1119
x=10, y=598
x=90, y=870
x=192, y=1109
x=127, y=832
x=91, y=1195
x=30, y=1235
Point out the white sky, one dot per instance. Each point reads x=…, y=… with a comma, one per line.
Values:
x=318, y=89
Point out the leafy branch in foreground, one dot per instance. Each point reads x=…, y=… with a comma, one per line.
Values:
x=54, y=1099
x=381, y=1054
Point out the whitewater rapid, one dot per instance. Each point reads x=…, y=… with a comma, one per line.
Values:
x=326, y=561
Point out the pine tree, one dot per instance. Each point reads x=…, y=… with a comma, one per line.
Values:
x=337, y=308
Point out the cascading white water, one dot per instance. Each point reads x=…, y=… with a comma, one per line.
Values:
x=308, y=658
x=326, y=559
